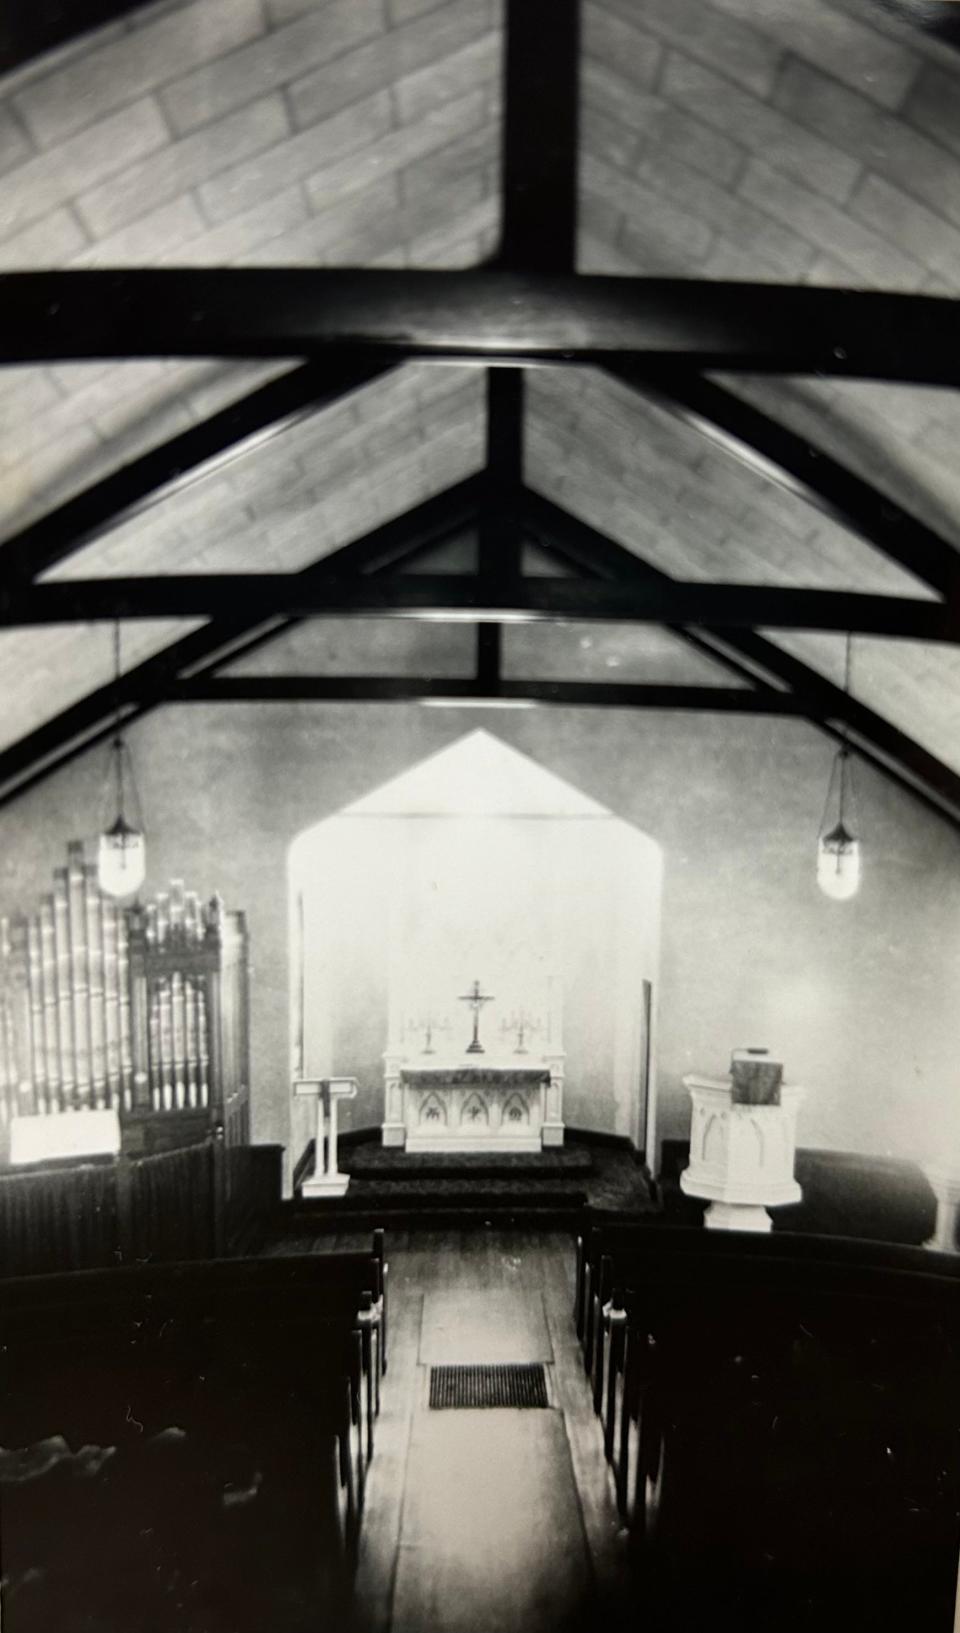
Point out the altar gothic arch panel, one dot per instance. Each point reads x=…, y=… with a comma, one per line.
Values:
x=478, y=872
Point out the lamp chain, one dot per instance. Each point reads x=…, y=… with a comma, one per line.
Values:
x=840, y=769
x=118, y=739
x=844, y=755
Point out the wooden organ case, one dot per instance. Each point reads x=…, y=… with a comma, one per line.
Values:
x=143, y=1009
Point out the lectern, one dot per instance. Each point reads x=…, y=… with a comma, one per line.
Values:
x=326, y=1179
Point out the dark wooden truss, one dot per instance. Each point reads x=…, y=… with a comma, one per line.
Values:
x=489, y=316
x=478, y=598
x=528, y=308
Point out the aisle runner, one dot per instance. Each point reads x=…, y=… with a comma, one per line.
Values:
x=470, y=1329
x=491, y=1539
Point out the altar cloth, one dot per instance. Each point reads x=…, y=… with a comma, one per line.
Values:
x=481, y=1102
x=499, y=1077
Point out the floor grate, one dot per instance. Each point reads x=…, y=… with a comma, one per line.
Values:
x=500, y=1385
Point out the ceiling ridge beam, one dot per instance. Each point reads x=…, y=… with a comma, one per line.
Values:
x=429, y=595
x=499, y=542
x=372, y=315
x=764, y=445
x=80, y=726
x=897, y=756
x=540, y=143
x=186, y=458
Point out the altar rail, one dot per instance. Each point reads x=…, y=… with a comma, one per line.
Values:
x=140, y=1009
x=194, y=1203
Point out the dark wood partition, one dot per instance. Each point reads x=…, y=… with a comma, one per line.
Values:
x=197, y=1202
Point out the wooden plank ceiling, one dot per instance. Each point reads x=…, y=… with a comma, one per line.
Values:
x=644, y=445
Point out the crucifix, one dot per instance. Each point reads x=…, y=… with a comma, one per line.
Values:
x=476, y=999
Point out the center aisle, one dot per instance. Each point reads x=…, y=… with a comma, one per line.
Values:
x=485, y=1520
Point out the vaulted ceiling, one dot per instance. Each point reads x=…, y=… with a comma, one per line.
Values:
x=750, y=141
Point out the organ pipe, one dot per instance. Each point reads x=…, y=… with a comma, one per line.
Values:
x=141, y=1009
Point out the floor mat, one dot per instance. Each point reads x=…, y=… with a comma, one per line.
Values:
x=460, y=1387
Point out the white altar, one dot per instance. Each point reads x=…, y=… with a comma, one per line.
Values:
x=473, y=1102
x=467, y=1070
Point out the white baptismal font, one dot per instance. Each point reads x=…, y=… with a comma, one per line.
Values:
x=743, y=1136
x=444, y=1099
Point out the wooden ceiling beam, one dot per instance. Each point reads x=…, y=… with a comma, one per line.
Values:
x=30, y=27
x=760, y=442
x=373, y=316
x=190, y=456
x=499, y=537
x=378, y=689
x=751, y=656
x=470, y=597
x=539, y=169
x=143, y=687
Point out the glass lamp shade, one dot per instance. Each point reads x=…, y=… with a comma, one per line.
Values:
x=838, y=864
x=122, y=859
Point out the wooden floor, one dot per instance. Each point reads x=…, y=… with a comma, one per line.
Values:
x=485, y=1521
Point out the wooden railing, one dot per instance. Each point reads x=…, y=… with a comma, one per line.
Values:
x=58, y=1219
x=194, y=1203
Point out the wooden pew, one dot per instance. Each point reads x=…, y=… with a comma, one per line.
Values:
x=607, y=1242
x=783, y=1426
x=221, y=1403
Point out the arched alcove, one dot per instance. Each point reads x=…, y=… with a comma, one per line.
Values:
x=478, y=864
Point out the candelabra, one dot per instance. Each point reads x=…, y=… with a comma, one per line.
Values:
x=429, y=1025
x=522, y=1026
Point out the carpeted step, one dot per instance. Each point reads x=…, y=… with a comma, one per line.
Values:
x=316, y=1219
x=440, y=1193
x=369, y=1160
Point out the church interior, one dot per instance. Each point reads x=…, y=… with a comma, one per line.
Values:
x=479, y=815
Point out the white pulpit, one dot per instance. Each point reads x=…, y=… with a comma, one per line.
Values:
x=473, y=1103
x=741, y=1155
x=326, y=1179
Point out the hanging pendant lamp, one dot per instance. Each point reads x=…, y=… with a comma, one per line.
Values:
x=122, y=854
x=838, y=848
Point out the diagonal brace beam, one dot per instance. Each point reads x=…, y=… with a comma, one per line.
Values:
x=891, y=751
x=145, y=686
x=153, y=476
x=760, y=442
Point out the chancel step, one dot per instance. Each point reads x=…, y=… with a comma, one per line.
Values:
x=466, y=1387
x=453, y=1192
x=369, y=1160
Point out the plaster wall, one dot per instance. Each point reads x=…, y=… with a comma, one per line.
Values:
x=858, y=998
x=558, y=916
